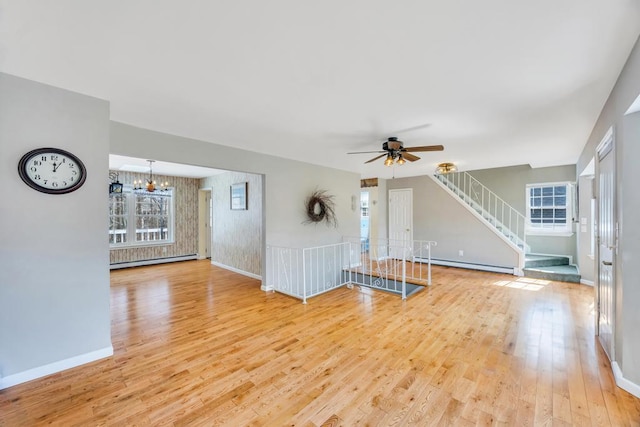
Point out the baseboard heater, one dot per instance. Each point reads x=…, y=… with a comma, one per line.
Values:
x=153, y=261
x=468, y=265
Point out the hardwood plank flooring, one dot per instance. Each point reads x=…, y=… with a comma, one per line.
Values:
x=198, y=345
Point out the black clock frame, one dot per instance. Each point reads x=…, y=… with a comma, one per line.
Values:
x=23, y=163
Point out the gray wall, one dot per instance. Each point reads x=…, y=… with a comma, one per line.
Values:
x=510, y=183
x=236, y=234
x=287, y=183
x=627, y=268
x=585, y=231
x=629, y=253
x=438, y=216
x=54, y=254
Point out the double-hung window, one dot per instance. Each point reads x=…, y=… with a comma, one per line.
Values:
x=141, y=217
x=550, y=208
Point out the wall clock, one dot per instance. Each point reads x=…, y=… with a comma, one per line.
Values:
x=52, y=170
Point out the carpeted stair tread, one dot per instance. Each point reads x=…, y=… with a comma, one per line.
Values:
x=561, y=273
x=534, y=261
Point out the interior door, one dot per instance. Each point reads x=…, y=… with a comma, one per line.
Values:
x=607, y=242
x=400, y=222
x=209, y=224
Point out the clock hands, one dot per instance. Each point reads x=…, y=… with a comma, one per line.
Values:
x=56, y=166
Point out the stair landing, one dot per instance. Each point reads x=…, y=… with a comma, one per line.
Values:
x=548, y=267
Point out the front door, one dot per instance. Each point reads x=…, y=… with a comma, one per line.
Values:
x=400, y=222
x=607, y=241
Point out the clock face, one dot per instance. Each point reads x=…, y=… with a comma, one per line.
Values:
x=51, y=170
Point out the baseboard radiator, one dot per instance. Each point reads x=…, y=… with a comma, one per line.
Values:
x=139, y=263
x=470, y=266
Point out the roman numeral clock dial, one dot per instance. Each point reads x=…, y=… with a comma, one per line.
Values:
x=52, y=170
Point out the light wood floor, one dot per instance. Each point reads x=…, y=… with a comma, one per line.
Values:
x=197, y=345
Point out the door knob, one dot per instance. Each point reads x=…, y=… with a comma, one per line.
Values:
x=607, y=263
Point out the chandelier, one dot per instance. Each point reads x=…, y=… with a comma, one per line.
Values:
x=150, y=184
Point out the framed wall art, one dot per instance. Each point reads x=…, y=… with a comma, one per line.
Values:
x=239, y=196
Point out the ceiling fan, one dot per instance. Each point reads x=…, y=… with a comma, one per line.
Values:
x=395, y=152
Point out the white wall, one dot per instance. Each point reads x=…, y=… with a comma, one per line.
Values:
x=54, y=255
x=627, y=268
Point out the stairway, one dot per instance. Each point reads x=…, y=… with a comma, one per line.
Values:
x=507, y=222
x=489, y=207
x=548, y=267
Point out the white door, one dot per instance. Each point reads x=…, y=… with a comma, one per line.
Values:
x=209, y=224
x=204, y=223
x=400, y=222
x=607, y=241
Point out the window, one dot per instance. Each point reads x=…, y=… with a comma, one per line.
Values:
x=118, y=216
x=140, y=217
x=549, y=208
x=364, y=203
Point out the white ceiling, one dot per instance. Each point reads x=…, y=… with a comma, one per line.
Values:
x=497, y=82
x=132, y=164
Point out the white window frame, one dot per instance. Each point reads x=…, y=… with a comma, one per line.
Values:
x=130, y=195
x=551, y=229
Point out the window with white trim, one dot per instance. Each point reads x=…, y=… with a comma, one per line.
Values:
x=550, y=208
x=141, y=217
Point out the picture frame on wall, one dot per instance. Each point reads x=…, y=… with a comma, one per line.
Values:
x=239, y=196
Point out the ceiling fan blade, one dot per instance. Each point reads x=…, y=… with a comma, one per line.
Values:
x=425, y=148
x=412, y=128
x=376, y=158
x=410, y=157
x=367, y=152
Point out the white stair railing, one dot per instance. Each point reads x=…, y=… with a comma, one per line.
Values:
x=494, y=210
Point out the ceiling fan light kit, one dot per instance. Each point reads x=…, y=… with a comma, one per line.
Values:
x=395, y=152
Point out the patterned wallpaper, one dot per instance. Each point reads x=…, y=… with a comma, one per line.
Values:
x=237, y=234
x=186, y=221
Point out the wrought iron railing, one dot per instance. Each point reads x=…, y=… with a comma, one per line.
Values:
x=401, y=267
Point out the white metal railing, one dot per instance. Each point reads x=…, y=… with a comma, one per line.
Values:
x=306, y=272
x=501, y=215
x=386, y=265
x=390, y=264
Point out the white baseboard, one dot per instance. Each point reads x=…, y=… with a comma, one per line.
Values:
x=624, y=383
x=470, y=266
x=587, y=282
x=236, y=270
x=152, y=261
x=52, y=368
